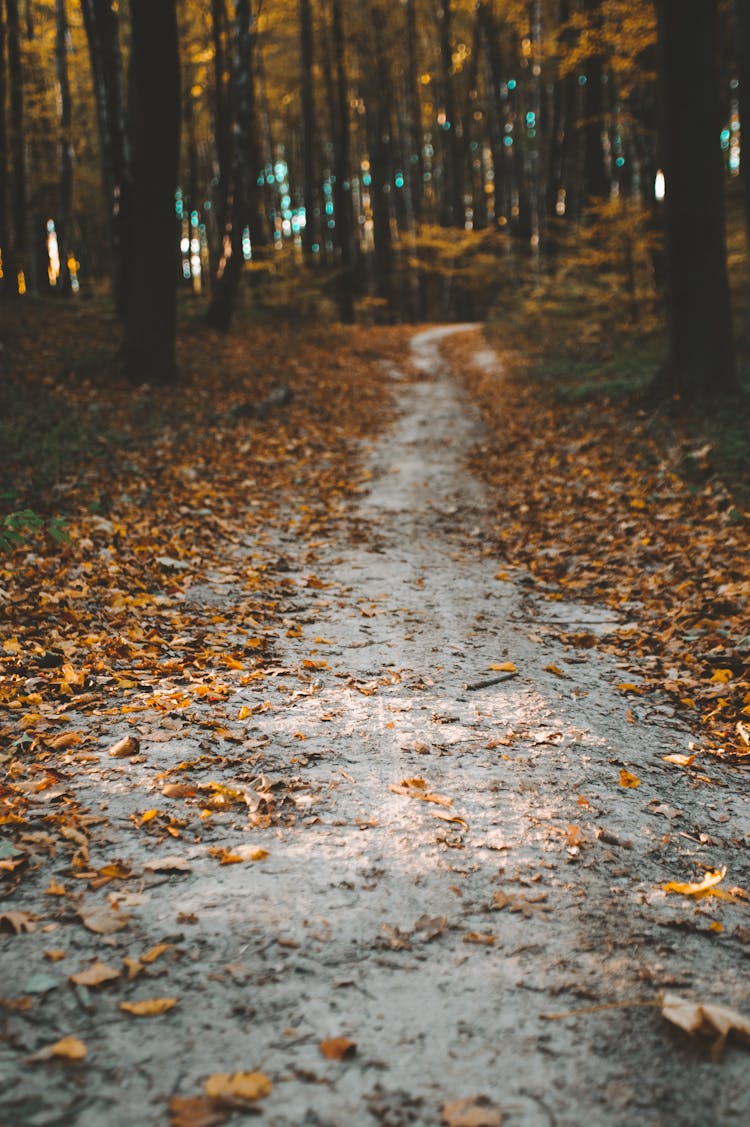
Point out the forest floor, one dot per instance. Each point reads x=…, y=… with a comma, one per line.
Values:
x=331, y=795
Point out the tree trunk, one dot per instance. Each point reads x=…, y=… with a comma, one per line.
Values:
x=342, y=188
x=452, y=210
x=19, y=243
x=6, y=268
x=222, y=128
x=307, y=95
x=700, y=354
x=66, y=141
x=493, y=81
x=102, y=32
x=415, y=159
x=379, y=106
x=595, y=175
x=743, y=27
x=154, y=107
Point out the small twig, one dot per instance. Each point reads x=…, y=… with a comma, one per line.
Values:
x=474, y=685
x=598, y=1009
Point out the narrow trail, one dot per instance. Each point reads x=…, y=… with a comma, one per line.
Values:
x=436, y=934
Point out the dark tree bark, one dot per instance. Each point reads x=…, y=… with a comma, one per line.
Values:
x=154, y=113
x=743, y=27
x=415, y=161
x=452, y=210
x=66, y=143
x=307, y=96
x=342, y=200
x=222, y=125
x=595, y=175
x=700, y=359
x=493, y=79
x=6, y=266
x=245, y=195
x=379, y=113
x=102, y=33
x=18, y=249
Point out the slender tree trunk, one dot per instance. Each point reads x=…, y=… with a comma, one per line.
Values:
x=66, y=144
x=453, y=190
x=154, y=107
x=743, y=27
x=596, y=178
x=493, y=81
x=307, y=96
x=6, y=265
x=342, y=187
x=415, y=161
x=100, y=20
x=245, y=195
x=379, y=109
x=222, y=128
x=700, y=359
x=19, y=244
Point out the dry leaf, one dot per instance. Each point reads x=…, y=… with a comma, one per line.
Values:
x=71, y=1049
x=155, y=953
x=629, y=781
x=179, y=790
x=503, y=667
x=680, y=760
x=133, y=967
x=338, y=1048
x=416, y=792
x=55, y=955
x=195, y=1111
x=18, y=922
x=699, y=889
x=228, y=856
x=450, y=818
x=104, y=921
x=475, y=1111
x=95, y=975
x=558, y=672
x=243, y=1086
x=149, y=1007
x=168, y=865
x=486, y=939
x=704, y=1018
x=125, y=748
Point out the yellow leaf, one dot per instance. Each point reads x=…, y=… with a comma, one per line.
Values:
x=680, y=760
x=338, y=1048
x=55, y=889
x=722, y=676
x=68, y=1048
x=148, y=816
x=133, y=967
x=558, y=672
x=12, y=646
x=95, y=975
x=155, y=952
x=244, y=712
x=699, y=889
x=503, y=575
x=486, y=938
x=503, y=667
x=233, y=663
x=227, y=856
x=627, y=687
x=149, y=1007
x=248, y=1086
x=55, y=955
x=628, y=780
x=420, y=784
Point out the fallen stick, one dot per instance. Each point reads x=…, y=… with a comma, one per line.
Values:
x=474, y=685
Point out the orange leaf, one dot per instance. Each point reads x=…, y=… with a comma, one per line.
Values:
x=629, y=781
x=95, y=975
x=247, y=1086
x=149, y=1007
x=338, y=1048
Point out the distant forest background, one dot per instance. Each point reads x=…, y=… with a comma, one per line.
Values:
x=396, y=160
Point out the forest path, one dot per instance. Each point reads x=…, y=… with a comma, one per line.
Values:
x=462, y=863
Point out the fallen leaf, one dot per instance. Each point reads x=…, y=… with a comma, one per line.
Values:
x=431, y=926
x=450, y=818
x=18, y=922
x=149, y=1007
x=168, y=865
x=629, y=781
x=486, y=939
x=95, y=975
x=417, y=792
x=558, y=672
x=722, y=676
x=55, y=955
x=338, y=1048
x=503, y=667
x=195, y=1111
x=244, y=712
x=179, y=790
x=155, y=953
x=71, y=1049
x=243, y=1086
x=627, y=687
x=229, y=856
x=124, y=748
x=699, y=889
x=680, y=760
x=476, y=1111
x=706, y=1018
x=104, y=921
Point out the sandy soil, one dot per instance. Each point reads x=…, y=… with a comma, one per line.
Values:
x=439, y=935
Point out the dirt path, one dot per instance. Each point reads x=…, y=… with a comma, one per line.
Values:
x=435, y=934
